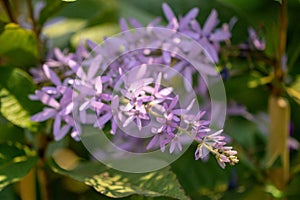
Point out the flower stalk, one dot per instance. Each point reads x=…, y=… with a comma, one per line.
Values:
x=279, y=112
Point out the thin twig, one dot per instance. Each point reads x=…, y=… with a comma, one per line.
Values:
x=9, y=11
x=33, y=21
x=283, y=22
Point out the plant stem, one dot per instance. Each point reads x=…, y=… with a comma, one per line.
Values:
x=9, y=11
x=42, y=143
x=277, y=149
x=235, y=51
x=36, y=28
x=42, y=179
x=279, y=112
x=28, y=186
x=278, y=68
x=283, y=19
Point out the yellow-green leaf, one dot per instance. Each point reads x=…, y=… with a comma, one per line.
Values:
x=96, y=33
x=16, y=160
x=118, y=184
x=13, y=111
x=294, y=90
x=19, y=46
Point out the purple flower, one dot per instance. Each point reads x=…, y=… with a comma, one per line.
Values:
x=215, y=143
x=257, y=44
x=162, y=94
x=87, y=82
x=59, y=110
x=160, y=139
x=209, y=37
x=254, y=43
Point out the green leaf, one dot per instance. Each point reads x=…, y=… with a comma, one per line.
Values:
x=13, y=111
x=10, y=132
x=8, y=193
x=19, y=47
x=295, y=94
x=242, y=131
x=293, y=191
x=134, y=10
x=2, y=26
x=201, y=179
x=52, y=7
x=294, y=90
x=238, y=89
x=15, y=162
x=61, y=32
x=14, y=101
x=20, y=85
x=257, y=192
x=117, y=184
x=95, y=33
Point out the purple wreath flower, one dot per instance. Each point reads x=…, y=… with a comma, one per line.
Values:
x=253, y=43
x=76, y=84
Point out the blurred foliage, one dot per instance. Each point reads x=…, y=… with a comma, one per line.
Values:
x=15, y=162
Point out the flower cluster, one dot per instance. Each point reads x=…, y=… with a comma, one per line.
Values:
x=90, y=87
x=214, y=143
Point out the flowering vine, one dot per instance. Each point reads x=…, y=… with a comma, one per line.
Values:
x=83, y=82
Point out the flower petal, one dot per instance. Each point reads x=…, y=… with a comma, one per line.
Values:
x=128, y=120
x=153, y=142
x=123, y=25
x=103, y=120
x=44, y=115
x=98, y=85
x=51, y=75
x=67, y=110
x=47, y=100
x=220, y=35
x=211, y=22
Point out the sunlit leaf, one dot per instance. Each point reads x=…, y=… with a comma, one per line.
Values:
x=19, y=84
x=61, y=31
x=13, y=111
x=19, y=46
x=117, y=184
x=294, y=90
x=294, y=94
x=257, y=81
x=15, y=105
x=96, y=33
x=15, y=162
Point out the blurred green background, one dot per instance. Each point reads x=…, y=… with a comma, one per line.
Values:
x=68, y=24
